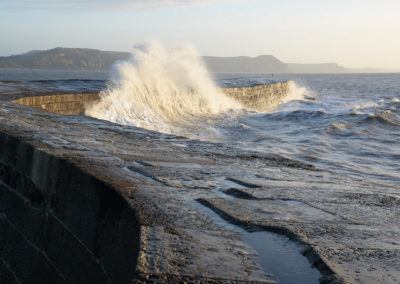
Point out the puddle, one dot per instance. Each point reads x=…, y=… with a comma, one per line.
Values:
x=280, y=257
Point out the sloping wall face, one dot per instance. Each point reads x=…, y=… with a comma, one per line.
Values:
x=62, y=104
x=259, y=98
x=59, y=224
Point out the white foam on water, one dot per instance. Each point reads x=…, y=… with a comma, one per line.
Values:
x=296, y=93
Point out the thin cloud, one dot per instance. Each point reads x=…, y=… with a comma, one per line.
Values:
x=102, y=4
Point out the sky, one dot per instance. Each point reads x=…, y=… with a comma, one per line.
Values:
x=352, y=33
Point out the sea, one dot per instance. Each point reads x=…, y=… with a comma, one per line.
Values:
x=344, y=123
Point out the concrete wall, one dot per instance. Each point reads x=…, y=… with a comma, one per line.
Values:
x=262, y=97
x=58, y=224
x=61, y=104
x=259, y=98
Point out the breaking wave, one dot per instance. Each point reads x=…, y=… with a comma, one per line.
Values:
x=160, y=89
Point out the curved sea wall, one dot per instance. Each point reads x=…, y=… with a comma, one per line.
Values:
x=60, y=224
x=260, y=98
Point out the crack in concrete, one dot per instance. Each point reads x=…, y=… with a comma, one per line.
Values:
x=7, y=266
x=37, y=249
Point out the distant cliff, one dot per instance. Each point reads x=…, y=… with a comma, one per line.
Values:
x=93, y=59
x=64, y=58
x=244, y=64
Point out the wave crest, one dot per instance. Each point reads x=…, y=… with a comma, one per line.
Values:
x=386, y=117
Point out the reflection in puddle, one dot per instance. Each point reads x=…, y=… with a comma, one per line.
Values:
x=282, y=257
x=279, y=256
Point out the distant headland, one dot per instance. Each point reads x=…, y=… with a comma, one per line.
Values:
x=93, y=59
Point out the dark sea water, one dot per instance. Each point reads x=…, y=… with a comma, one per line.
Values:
x=345, y=123
x=348, y=123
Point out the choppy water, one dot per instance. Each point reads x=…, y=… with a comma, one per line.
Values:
x=346, y=123
x=349, y=123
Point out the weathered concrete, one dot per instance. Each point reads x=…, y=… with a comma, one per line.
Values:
x=88, y=201
x=62, y=104
x=260, y=98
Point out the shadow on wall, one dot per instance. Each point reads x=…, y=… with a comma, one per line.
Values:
x=59, y=224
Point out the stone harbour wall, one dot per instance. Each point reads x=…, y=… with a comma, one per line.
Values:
x=259, y=98
x=67, y=104
x=262, y=97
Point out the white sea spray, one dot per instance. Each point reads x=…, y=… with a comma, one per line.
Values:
x=160, y=89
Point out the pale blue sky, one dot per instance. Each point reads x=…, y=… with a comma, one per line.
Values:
x=353, y=33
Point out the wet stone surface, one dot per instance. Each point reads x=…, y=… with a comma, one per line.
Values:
x=348, y=229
